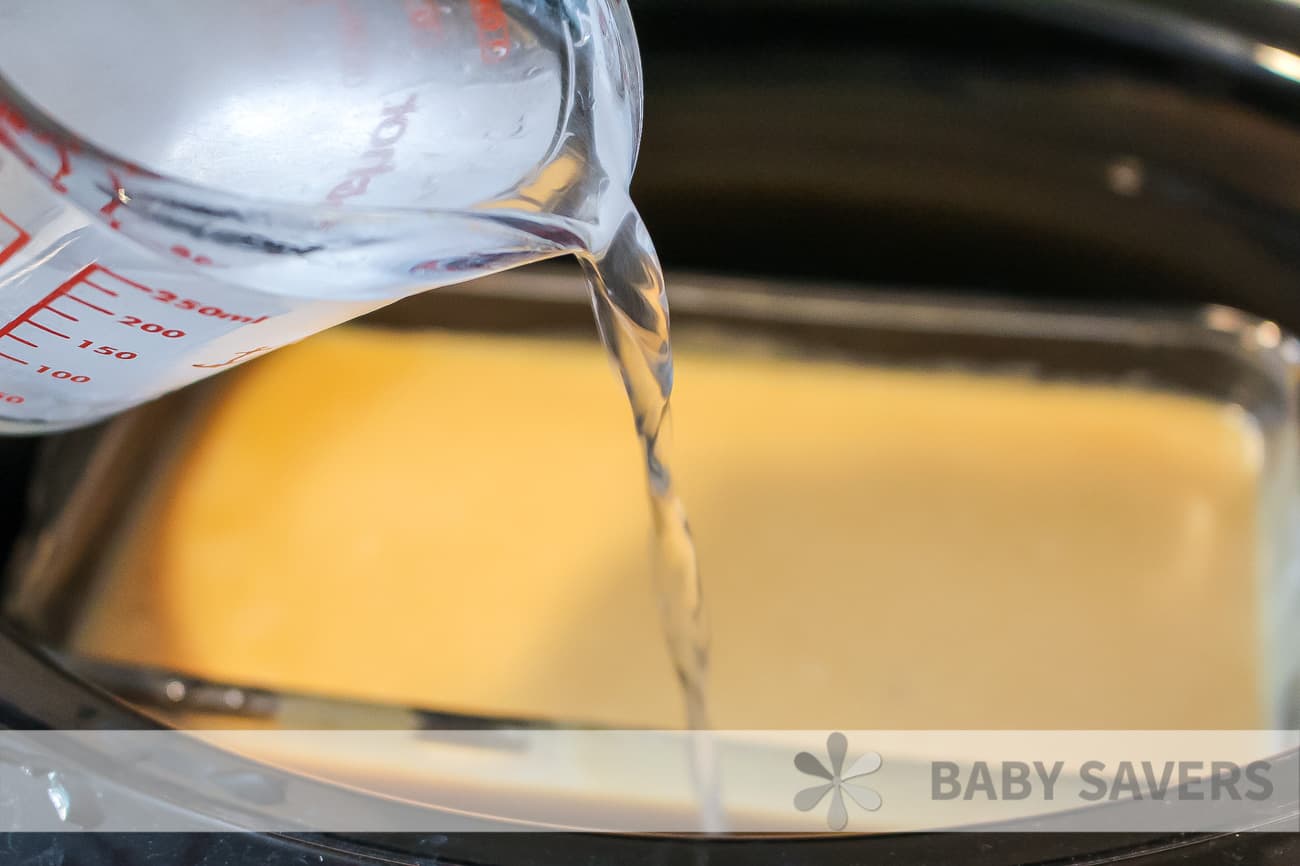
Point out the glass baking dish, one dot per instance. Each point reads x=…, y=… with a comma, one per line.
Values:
x=95, y=488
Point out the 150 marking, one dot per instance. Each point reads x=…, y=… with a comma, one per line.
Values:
x=108, y=350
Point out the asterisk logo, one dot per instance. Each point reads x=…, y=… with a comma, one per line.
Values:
x=837, y=783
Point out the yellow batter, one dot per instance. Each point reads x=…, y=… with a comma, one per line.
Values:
x=457, y=521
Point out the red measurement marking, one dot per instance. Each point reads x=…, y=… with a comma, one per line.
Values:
x=21, y=340
x=184, y=252
x=64, y=315
x=14, y=234
x=12, y=358
x=47, y=303
x=103, y=275
x=109, y=292
x=239, y=356
x=65, y=168
x=110, y=210
x=89, y=304
x=493, y=30
x=10, y=116
x=18, y=136
x=424, y=15
x=84, y=275
x=43, y=328
x=62, y=151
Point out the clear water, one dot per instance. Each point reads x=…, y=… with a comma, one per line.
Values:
x=627, y=293
x=265, y=169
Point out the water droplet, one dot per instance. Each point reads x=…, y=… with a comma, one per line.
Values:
x=59, y=796
x=1126, y=176
x=175, y=691
x=264, y=789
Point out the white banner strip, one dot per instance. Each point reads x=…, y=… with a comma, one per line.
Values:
x=650, y=781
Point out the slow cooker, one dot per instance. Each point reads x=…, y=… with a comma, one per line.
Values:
x=1116, y=154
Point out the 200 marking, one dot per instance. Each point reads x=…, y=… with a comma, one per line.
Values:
x=150, y=327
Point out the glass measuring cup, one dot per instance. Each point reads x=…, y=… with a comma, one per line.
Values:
x=184, y=187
